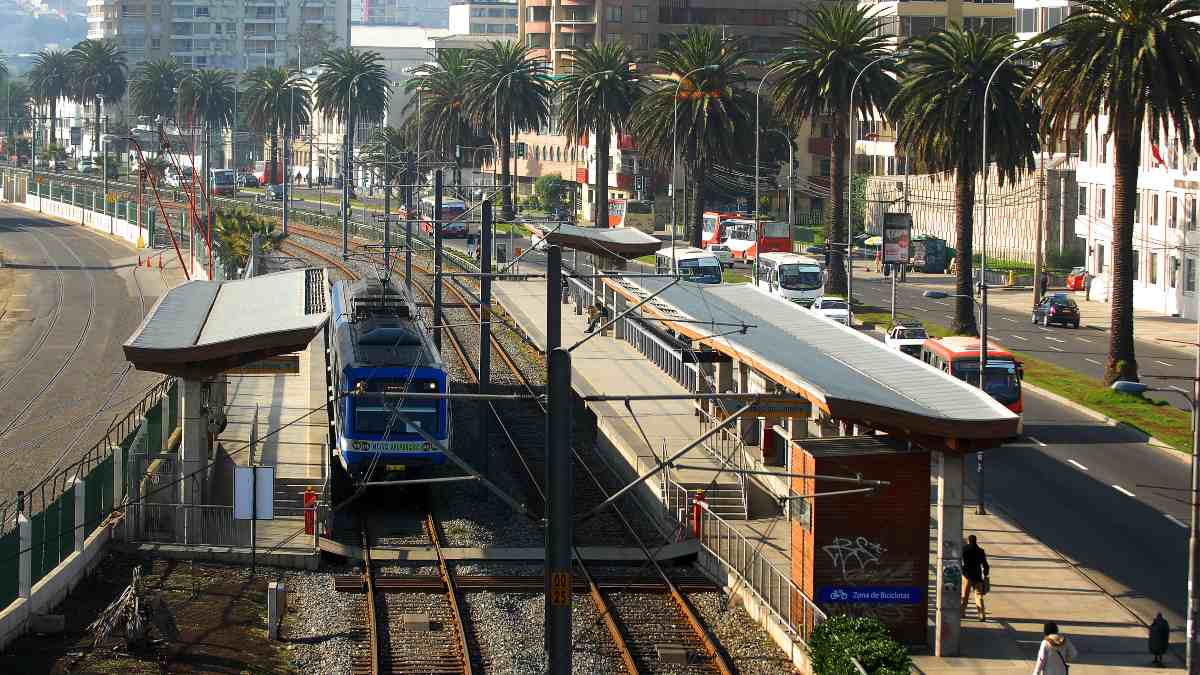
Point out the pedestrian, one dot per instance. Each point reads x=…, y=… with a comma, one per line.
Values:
x=596, y=314
x=975, y=576
x=1043, y=284
x=1056, y=653
x=1087, y=286
x=566, y=291
x=1160, y=636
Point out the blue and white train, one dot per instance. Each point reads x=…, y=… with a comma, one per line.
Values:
x=379, y=344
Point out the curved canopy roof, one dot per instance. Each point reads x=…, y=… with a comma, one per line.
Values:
x=616, y=242
x=202, y=328
x=848, y=374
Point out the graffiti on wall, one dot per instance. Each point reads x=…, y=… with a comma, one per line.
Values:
x=860, y=563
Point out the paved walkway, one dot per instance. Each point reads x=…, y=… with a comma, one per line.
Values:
x=1032, y=584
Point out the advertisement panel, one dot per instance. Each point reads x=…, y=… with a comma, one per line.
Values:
x=897, y=231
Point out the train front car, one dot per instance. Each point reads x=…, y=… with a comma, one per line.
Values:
x=381, y=350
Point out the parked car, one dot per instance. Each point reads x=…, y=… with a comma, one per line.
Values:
x=834, y=309
x=246, y=179
x=85, y=166
x=1057, y=308
x=815, y=249
x=58, y=165
x=722, y=252
x=1077, y=279
x=907, y=337
x=275, y=192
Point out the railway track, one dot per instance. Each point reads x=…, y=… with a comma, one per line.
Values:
x=672, y=635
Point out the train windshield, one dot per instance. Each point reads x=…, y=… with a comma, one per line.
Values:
x=797, y=277
x=375, y=411
x=1001, y=380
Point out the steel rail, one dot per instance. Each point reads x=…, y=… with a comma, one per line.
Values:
x=372, y=619
x=460, y=628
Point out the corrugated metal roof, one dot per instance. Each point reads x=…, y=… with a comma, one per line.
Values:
x=176, y=321
x=263, y=304
x=823, y=358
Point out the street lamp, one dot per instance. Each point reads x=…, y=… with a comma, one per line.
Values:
x=791, y=186
x=346, y=171
x=583, y=155
x=849, y=186
x=983, y=320
x=1193, y=400
x=675, y=156
x=757, y=133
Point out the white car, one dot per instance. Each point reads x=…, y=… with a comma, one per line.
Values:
x=834, y=309
x=722, y=253
x=907, y=337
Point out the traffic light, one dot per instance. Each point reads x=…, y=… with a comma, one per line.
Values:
x=458, y=153
x=520, y=151
x=639, y=183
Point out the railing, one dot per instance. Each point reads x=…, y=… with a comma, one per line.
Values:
x=741, y=558
x=208, y=524
x=669, y=359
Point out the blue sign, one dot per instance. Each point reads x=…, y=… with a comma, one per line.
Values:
x=871, y=595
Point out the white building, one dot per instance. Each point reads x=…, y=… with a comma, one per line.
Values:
x=1165, y=237
x=495, y=18
x=422, y=13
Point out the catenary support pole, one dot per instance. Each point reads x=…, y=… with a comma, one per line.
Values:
x=485, y=323
x=553, y=298
x=1193, y=649
x=437, y=259
x=560, y=510
x=410, y=176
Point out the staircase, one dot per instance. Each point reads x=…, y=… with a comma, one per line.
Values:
x=289, y=494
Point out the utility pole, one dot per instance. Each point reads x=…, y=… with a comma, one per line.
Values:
x=410, y=175
x=437, y=260
x=485, y=324
x=1037, y=242
x=1193, y=649
x=560, y=493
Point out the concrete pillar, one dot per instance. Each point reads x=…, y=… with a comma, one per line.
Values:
x=24, y=556
x=118, y=455
x=948, y=471
x=797, y=427
x=276, y=608
x=80, y=526
x=193, y=455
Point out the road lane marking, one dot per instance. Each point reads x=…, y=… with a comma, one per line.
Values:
x=1055, y=340
x=1056, y=348
x=1008, y=319
x=1083, y=340
x=1077, y=465
x=1093, y=361
x=1164, y=363
x=1019, y=338
x=1036, y=441
x=1123, y=491
x=1043, y=328
x=1175, y=520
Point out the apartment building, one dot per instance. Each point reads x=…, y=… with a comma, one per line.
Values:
x=137, y=26
x=423, y=13
x=494, y=18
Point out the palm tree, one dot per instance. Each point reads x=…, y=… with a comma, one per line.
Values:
x=939, y=120
x=440, y=89
x=353, y=87
x=1134, y=61
x=836, y=43
x=269, y=105
x=153, y=88
x=383, y=153
x=211, y=94
x=51, y=77
x=597, y=97
x=507, y=89
x=99, y=69
x=716, y=111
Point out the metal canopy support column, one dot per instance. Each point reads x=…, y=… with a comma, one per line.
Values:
x=485, y=324
x=437, y=259
x=193, y=453
x=948, y=468
x=560, y=512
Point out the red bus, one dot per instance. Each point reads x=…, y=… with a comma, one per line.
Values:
x=738, y=235
x=959, y=356
x=451, y=209
x=713, y=232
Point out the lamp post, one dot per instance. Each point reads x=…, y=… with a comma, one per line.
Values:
x=1193, y=585
x=849, y=187
x=757, y=133
x=104, y=159
x=346, y=168
x=675, y=156
x=791, y=185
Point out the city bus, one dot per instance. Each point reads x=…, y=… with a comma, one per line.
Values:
x=262, y=170
x=223, y=182
x=738, y=235
x=701, y=267
x=958, y=355
x=789, y=276
x=713, y=233
x=635, y=213
x=451, y=209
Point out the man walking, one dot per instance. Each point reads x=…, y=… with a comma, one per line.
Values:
x=975, y=574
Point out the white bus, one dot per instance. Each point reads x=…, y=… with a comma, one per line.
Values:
x=793, y=277
x=698, y=266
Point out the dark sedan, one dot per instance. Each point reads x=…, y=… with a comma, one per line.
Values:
x=1057, y=308
x=275, y=192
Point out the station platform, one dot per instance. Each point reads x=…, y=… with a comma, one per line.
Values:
x=604, y=365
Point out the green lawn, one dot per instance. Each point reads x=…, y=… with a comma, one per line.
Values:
x=733, y=277
x=1163, y=421
x=517, y=229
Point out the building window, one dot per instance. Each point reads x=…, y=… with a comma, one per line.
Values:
x=1054, y=16
x=511, y=13
x=641, y=41
x=1189, y=213
x=478, y=28
x=1153, y=269
x=155, y=43
x=1137, y=263
x=1173, y=273
x=989, y=25
x=1083, y=203
x=641, y=14
x=1153, y=208
x=495, y=12
x=537, y=40
x=537, y=13
x=156, y=10
x=920, y=26
x=1101, y=203
x=495, y=28
x=201, y=11
x=824, y=167
x=1100, y=259
x=614, y=13
x=478, y=11
x=1172, y=211
x=510, y=28
x=1102, y=149
x=1083, y=148
x=1189, y=274
x=1137, y=207
x=1027, y=21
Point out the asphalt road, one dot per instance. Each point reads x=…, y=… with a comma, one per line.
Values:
x=68, y=300
x=1083, y=350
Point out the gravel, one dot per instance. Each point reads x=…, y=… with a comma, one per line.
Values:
x=322, y=629
x=746, y=643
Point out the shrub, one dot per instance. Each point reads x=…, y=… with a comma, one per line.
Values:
x=838, y=638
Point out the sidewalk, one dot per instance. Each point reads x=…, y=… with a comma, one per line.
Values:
x=1148, y=326
x=1032, y=584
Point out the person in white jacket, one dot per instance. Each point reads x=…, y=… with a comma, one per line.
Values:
x=1056, y=652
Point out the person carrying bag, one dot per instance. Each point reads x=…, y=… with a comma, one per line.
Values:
x=1055, y=653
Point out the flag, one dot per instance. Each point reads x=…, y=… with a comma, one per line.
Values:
x=1157, y=156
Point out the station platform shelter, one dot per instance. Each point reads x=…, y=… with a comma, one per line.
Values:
x=788, y=548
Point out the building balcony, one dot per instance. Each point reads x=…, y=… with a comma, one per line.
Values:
x=576, y=28
x=537, y=27
x=576, y=3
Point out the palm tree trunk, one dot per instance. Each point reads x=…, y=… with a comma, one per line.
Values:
x=272, y=167
x=506, y=205
x=95, y=130
x=835, y=227
x=964, y=223
x=53, y=118
x=696, y=217
x=601, y=211
x=1127, y=143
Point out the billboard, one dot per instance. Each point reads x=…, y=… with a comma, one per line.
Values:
x=897, y=231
